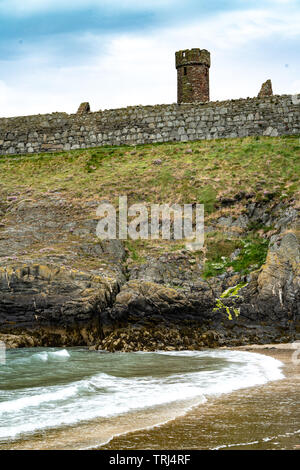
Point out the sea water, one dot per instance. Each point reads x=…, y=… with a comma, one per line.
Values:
x=47, y=389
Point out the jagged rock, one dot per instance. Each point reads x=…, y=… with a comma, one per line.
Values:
x=171, y=269
x=273, y=294
x=17, y=341
x=53, y=304
x=266, y=89
x=139, y=300
x=279, y=280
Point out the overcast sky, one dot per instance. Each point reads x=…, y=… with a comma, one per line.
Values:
x=55, y=54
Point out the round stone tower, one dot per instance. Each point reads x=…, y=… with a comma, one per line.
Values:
x=192, y=75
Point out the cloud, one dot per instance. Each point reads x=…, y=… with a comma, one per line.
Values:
x=33, y=7
x=116, y=67
x=242, y=48
x=62, y=25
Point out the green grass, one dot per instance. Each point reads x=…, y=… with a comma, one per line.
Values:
x=213, y=168
x=253, y=252
x=134, y=250
x=194, y=172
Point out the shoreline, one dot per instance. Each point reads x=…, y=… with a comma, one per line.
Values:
x=164, y=428
x=167, y=432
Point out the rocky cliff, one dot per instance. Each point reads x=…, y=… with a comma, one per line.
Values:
x=60, y=285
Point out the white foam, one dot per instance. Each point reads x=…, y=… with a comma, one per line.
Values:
x=44, y=356
x=265, y=439
x=59, y=355
x=36, y=400
x=104, y=395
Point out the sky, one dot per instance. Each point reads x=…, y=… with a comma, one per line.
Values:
x=55, y=54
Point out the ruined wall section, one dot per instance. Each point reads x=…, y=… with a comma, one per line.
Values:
x=273, y=116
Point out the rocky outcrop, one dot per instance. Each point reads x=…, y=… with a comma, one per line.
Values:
x=275, y=290
x=60, y=286
x=55, y=275
x=150, y=316
x=146, y=314
x=53, y=305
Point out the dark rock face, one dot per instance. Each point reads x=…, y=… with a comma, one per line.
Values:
x=170, y=269
x=266, y=89
x=148, y=315
x=269, y=309
x=55, y=275
x=278, y=283
x=54, y=305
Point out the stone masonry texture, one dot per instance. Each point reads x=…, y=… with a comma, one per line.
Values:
x=266, y=89
x=84, y=108
x=270, y=116
x=192, y=75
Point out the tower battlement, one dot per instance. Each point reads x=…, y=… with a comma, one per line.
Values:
x=192, y=57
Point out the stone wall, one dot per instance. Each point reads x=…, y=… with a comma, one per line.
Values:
x=272, y=116
x=193, y=84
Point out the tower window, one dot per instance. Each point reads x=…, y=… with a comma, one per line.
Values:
x=185, y=71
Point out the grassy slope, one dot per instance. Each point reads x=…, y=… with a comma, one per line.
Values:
x=201, y=171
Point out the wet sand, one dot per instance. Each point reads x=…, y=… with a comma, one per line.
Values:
x=258, y=418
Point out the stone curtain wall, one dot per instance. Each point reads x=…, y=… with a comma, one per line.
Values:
x=273, y=116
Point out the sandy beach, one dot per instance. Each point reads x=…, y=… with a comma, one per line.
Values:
x=258, y=418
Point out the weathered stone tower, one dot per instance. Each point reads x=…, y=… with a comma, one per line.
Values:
x=192, y=75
